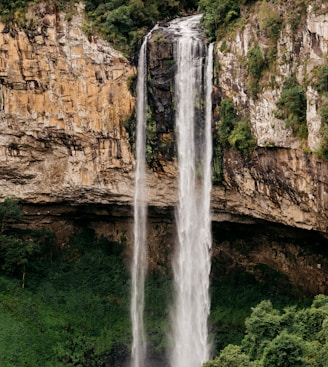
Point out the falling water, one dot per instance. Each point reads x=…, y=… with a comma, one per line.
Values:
x=139, y=262
x=191, y=265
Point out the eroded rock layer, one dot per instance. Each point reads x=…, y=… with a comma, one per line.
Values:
x=64, y=99
x=65, y=102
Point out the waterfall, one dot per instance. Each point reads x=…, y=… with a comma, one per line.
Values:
x=139, y=261
x=191, y=264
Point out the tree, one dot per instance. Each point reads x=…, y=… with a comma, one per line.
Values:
x=285, y=351
x=9, y=209
x=292, y=338
x=261, y=327
x=231, y=356
x=228, y=118
x=15, y=252
x=218, y=14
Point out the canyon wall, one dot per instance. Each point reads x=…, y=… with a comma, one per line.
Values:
x=66, y=146
x=283, y=180
x=64, y=100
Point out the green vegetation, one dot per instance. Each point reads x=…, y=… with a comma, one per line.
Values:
x=13, y=12
x=228, y=118
x=241, y=137
x=234, y=295
x=218, y=14
x=152, y=143
x=16, y=250
x=320, y=75
x=125, y=22
x=74, y=307
x=322, y=152
x=122, y=22
x=292, y=107
x=233, y=131
x=274, y=338
x=73, y=310
x=256, y=66
x=10, y=7
x=320, y=83
x=270, y=22
x=9, y=209
x=255, y=62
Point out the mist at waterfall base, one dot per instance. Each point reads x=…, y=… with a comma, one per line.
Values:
x=191, y=260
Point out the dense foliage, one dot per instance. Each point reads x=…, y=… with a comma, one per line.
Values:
x=233, y=131
x=273, y=338
x=122, y=22
x=320, y=83
x=72, y=307
x=322, y=152
x=292, y=107
x=220, y=14
x=125, y=22
x=256, y=65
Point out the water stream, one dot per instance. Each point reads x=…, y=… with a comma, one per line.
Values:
x=192, y=262
x=139, y=261
x=191, y=265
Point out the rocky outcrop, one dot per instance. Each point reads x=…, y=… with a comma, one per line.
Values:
x=276, y=183
x=66, y=154
x=284, y=181
x=275, y=252
x=298, y=50
x=64, y=99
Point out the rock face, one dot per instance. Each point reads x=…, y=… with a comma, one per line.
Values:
x=283, y=180
x=64, y=99
x=279, y=182
x=276, y=183
x=64, y=103
x=257, y=248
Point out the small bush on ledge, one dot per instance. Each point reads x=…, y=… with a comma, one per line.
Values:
x=292, y=107
x=322, y=152
x=233, y=131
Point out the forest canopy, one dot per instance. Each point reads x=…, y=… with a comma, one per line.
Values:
x=125, y=22
x=281, y=339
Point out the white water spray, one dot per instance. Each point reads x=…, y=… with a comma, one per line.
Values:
x=139, y=261
x=191, y=263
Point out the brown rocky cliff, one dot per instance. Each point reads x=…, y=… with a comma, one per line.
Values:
x=283, y=180
x=64, y=99
x=65, y=152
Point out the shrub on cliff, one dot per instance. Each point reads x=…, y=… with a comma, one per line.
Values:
x=233, y=131
x=292, y=107
x=322, y=152
x=256, y=65
x=219, y=14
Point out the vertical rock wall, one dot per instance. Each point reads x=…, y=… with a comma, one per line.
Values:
x=63, y=101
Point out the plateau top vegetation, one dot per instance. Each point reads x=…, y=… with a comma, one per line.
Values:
x=125, y=22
